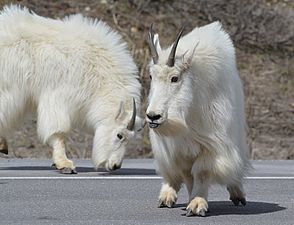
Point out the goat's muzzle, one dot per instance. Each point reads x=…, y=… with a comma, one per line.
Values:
x=153, y=119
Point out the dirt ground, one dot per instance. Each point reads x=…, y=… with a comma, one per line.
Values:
x=262, y=31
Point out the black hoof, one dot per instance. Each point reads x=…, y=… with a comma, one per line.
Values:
x=68, y=171
x=243, y=201
x=160, y=204
x=202, y=212
x=189, y=213
x=236, y=201
x=170, y=204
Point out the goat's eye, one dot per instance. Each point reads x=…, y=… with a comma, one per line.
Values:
x=119, y=136
x=150, y=77
x=174, y=79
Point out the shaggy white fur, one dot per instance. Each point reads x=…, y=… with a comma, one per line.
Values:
x=198, y=136
x=72, y=72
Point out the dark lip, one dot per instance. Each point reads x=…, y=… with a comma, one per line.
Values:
x=153, y=125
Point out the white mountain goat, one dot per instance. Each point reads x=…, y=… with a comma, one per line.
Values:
x=196, y=116
x=75, y=72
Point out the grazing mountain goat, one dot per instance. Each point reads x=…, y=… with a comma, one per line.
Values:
x=75, y=72
x=196, y=116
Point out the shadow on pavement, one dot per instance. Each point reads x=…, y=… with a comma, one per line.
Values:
x=80, y=170
x=251, y=208
x=121, y=172
x=36, y=168
x=133, y=171
x=219, y=208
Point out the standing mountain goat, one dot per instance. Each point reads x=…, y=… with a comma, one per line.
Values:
x=75, y=72
x=196, y=112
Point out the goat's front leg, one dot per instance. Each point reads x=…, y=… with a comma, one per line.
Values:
x=168, y=194
x=198, y=197
x=60, y=161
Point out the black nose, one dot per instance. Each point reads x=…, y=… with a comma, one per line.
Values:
x=152, y=116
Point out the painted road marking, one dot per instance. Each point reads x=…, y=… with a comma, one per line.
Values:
x=122, y=178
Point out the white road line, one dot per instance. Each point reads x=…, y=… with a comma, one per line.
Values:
x=123, y=178
x=269, y=178
x=85, y=178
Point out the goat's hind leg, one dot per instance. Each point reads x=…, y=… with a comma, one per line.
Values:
x=3, y=146
x=237, y=195
x=12, y=110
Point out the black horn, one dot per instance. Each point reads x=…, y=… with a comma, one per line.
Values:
x=171, y=58
x=131, y=124
x=153, y=51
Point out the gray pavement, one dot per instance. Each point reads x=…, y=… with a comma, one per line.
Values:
x=33, y=193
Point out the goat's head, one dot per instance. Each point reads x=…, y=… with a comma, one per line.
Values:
x=171, y=82
x=112, y=136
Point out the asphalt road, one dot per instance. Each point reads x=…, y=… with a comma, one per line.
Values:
x=33, y=193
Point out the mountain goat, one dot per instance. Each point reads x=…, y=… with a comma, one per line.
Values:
x=74, y=72
x=196, y=116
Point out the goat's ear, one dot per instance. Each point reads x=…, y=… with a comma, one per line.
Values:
x=120, y=111
x=157, y=43
x=188, y=56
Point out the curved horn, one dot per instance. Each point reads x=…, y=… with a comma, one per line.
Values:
x=171, y=57
x=131, y=124
x=153, y=51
